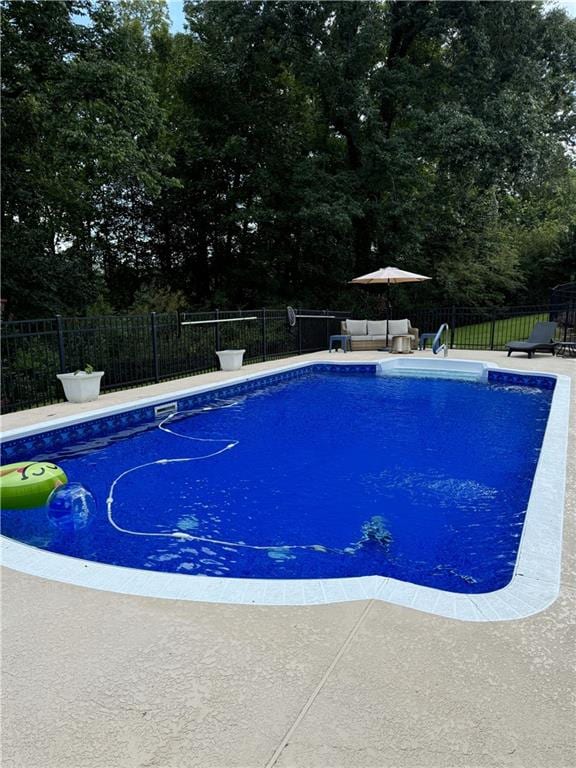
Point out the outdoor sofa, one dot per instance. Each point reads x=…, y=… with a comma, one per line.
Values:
x=371, y=334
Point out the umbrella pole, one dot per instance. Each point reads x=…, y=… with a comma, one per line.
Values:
x=387, y=309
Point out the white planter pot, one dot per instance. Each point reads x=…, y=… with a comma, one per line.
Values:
x=81, y=387
x=231, y=359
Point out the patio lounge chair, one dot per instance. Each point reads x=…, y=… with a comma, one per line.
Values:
x=540, y=340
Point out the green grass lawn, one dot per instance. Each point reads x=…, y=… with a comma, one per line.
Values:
x=511, y=329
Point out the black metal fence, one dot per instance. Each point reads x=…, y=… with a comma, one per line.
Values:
x=562, y=296
x=489, y=328
x=143, y=349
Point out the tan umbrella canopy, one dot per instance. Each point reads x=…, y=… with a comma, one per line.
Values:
x=389, y=276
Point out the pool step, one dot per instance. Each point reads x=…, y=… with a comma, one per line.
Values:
x=417, y=373
x=460, y=370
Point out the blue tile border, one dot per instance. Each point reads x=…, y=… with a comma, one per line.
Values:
x=369, y=370
x=39, y=447
x=521, y=380
x=43, y=445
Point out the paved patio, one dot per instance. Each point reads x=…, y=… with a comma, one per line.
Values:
x=100, y=680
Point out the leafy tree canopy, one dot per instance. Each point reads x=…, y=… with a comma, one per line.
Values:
x=277, y=149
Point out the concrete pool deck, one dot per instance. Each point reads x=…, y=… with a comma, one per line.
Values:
x=96, y=679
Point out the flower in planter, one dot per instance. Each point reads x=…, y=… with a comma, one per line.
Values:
x=87, y=369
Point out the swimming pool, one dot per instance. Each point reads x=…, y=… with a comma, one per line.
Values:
x=319, y=476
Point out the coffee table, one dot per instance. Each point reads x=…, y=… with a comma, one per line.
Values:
x=401, y=345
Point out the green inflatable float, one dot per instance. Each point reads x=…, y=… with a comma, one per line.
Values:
x=28, y=484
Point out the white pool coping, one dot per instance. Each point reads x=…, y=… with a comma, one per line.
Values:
x=534, y=586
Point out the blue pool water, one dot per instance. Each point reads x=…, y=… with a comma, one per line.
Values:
x=324, y=475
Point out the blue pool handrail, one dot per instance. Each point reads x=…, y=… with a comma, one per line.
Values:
x=437, y=345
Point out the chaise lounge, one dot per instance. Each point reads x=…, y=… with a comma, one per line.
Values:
x=540, y=340
x=368, y=335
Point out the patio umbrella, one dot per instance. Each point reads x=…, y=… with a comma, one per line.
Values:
x=388, y=276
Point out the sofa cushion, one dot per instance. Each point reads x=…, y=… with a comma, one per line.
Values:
x=376, y=327
x=356, y=327
x=398, y=327
x=362, y=337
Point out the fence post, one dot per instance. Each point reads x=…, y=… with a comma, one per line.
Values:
x=492, y=331
x=326, y=312
x=264, y=340
x=217, y=329
x=153, y=329
x=61, y=353
x=452, y=327
x=569, y=317
x=299, y=333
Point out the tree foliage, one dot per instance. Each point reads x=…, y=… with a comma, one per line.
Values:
x=277, y=149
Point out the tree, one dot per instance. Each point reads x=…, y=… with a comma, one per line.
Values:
x=75, y=177
x=278, y=149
